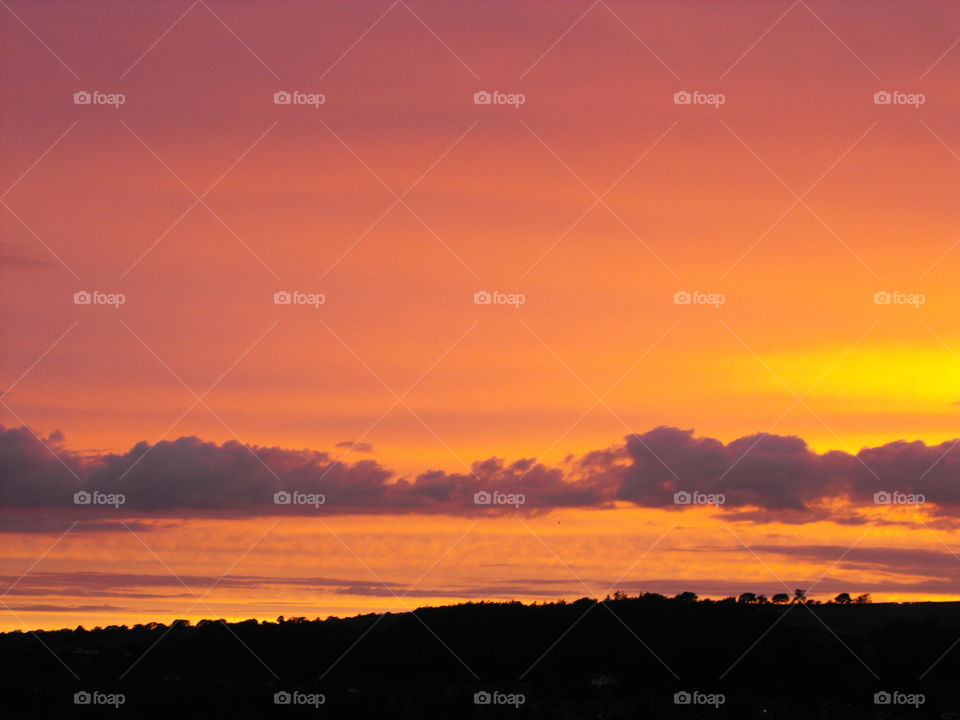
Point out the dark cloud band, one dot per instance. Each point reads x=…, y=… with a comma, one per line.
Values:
x=760, y=478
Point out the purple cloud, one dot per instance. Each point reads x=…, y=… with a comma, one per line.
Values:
x=761, y=478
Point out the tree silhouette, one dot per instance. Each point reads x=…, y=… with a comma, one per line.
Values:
x=799, y=596
x=394, y=672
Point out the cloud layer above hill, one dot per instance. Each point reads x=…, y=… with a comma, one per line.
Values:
x=759, y=477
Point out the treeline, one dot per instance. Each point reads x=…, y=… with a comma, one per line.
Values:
x=619, y=657
x=747, y=598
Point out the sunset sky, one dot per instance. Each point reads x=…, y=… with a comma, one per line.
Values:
x=793, y=207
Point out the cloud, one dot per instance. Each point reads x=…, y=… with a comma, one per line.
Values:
x=770, y=472
x=762, y=478
x=67, y=608
x=190, y=477
x=13, y=256
x=766, y=478
x=360, y=447
x=147, y=585
x=908, y=561
x=41, y=522
x=893, y=572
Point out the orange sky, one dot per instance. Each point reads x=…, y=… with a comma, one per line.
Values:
x=798, y=199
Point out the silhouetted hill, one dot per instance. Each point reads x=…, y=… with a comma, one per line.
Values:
x=619, y=658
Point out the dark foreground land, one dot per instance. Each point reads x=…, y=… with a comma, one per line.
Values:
x=620, y=658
